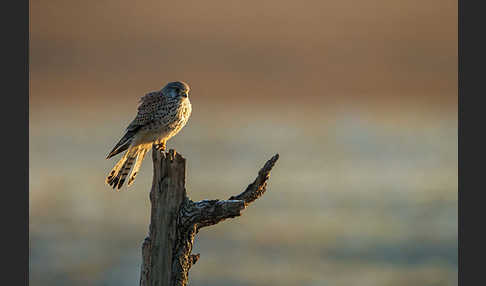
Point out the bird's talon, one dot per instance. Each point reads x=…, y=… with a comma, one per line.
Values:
x=160, y=147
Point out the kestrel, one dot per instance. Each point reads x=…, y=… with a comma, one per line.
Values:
x=161, y=115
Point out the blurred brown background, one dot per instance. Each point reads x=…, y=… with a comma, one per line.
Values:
x=358, y=97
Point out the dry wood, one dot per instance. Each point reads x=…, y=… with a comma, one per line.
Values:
x=175, y=219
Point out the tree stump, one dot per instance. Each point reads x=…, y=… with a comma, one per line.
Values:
x=175, y=219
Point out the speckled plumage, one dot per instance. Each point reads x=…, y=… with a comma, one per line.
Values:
x=161, y=115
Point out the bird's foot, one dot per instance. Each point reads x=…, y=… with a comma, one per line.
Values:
x=160, y=147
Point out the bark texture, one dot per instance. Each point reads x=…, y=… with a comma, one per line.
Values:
x=175, y=219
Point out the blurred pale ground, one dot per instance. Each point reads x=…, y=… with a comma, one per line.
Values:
x=358, y=98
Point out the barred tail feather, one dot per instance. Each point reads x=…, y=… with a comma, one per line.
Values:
x=119, y=173
x=114, y=172
x=138, y=163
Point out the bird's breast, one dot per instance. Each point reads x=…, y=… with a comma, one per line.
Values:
x=173, y=119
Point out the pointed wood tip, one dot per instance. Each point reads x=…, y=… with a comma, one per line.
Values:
x=174, y=156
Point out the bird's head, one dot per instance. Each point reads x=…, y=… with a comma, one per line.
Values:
x=176, y=89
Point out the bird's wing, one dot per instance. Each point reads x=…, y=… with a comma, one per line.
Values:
x=149, y=104
x=147, y=109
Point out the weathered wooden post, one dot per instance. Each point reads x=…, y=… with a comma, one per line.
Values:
x=175, y=219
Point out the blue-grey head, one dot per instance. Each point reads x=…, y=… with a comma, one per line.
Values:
x=176, y=89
